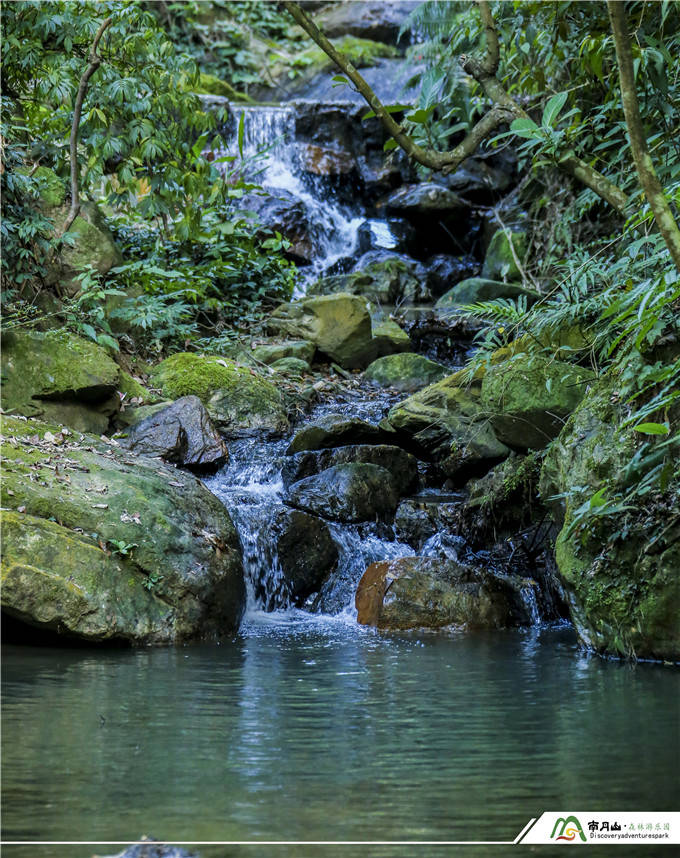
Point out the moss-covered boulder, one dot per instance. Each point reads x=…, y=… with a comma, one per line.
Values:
x=620, y=569
x=209, y=84
x=390, y=338
x=238, y=399
x=338, y=325
x=476, y=289
x=269, y=353
x=382, y=278
x=528, y=398
x=290, y=366
x=59, y=376
x=499, y=261
x=447, y=422
x=406, y=372
x=102, y=545
x=334, y=430
x=423, y=592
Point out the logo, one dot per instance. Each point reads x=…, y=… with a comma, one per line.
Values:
x=570, y=828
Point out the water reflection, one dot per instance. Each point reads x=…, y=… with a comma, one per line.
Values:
x=308, y=728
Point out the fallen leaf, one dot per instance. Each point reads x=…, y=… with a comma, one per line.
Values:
x=21, y=509
x=100, y=506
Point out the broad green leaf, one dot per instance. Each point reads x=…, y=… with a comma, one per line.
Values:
x=526, y=128
x=390, y=144
x=553, y=108
x=241, y=132
x=389, y=108
x=598, y=499
x=652, y=428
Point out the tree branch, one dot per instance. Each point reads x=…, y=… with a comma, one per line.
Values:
x=94, y=63
x=638, y=142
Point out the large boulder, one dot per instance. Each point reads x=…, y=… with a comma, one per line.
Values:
x=182, y=434
x=418, y=519
x=239, y=401
x=366, y=19
x=105, y=546
x=390, y=338
x=620, y=568
x=334, y=430
x=414, y=592
x=444, y=271
x=269, y=353
x=338, y=325
x=423, y=200
x=281, y=211
x=406, y=372
x=306, y=552
x=528, y=398
x=502, y=255
x=382, y=277
x=447, y=422
x=402, y=465
x=349, y=493
x=325, y=161
x=61, y=377
x=476, y=289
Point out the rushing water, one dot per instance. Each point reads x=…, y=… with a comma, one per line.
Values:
x=308, y=728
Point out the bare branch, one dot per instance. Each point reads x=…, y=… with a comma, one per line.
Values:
x=493, y=55
x=94, y=63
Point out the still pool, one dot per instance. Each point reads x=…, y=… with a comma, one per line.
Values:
x=314, y=729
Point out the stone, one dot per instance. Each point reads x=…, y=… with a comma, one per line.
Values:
x=380, y=276
x=424, y=592
x=132, y=415
x=481, y=180
x=238, y=400
x=281, y=211
x=389, y=337
x=499, y=262
x=402, y=465
x=108, y=546
x=131, y=388
x=334, y=430
x=324, y=161
x=424, y=198
x=338, y=325
x=349, y=493
x=271, y=352
x=406, y=372
x=374, y=20
x=620, y=570
x=419, y=519
x=528, y=398
x=445, y=271
x=306, y=553
x=476, y=289
x=290, y=366
x=182, y=434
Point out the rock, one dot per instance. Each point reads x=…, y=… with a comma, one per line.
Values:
x=350, y=493
x=416, y=592
x=528, y=398
x=290, y=366
x=423, y=199
x=447, y=422
x=405, y=372
x=380, y=276
x=324, y=161
x=378, y=21
x=130, y=416
x=389, y=338
x=418, y=519
x=481, y=180
x=271, y=352
x=113, y=547
x=476, y=289
x=306, y=552
x=620, y=569
x=499, y=262
x=131, y=388
x=402, y=465
x=339, y=326
x=334, y=430
x=209, y=84
x=152, y=849
x=445, y=271
x=238, y=400
x=281, y=211
x=182, y=434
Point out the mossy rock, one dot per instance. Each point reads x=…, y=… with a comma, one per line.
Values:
x=383, y=282
x=499, y=262
x=106, y=545
x=133, y=389
x=476, y=289
x=621, y=569
x=52, y=189
x=238, y=399
x=290, y=366
x=209, y=84
x=131, y=416
x=528, y=398
x=60, y=376
x=362, y=53
x=271, y=352
x=390, y=338
x=406, y=372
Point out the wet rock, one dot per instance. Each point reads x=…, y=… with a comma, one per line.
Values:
x=405, y=372
x=334, y=430
x=390, y=338
x=339, y=326
x=281, y=211
x=108, y=546
x=133, y=415
x=271, y=352
x=445, y=271
x=151, y=849
x=290, y=366
x=500, y=262
x=480, y=180
x=238, y=400
x=380, y=276
x=620, y=570
x=476, y=289
x=366, y=19
x=182, y=434
x=425, y=198
x=417, y=592
x=306, y=552
x=418, y=519
x=528, y=398
x=324, y=161
x=402, y=465
x=349, y=493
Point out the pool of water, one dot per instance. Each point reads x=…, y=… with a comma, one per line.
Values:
x=315, y=729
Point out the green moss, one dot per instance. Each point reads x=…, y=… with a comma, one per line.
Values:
x=209, y=84
x=52, y=188
x=362, y=53
x=406, y=371
x=499, y=262
x=389, y=338
x=132, y=389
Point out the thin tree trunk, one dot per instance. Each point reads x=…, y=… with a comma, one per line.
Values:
x=638, y=142
x=94, y=63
